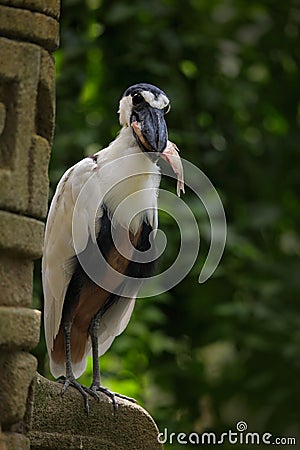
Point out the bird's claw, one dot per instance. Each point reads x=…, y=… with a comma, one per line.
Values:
x=84, y=391
x=92, y=391
x=130, y=399
x=111, y=395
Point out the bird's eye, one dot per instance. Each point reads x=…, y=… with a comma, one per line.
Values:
x=137, y=99
x=167, y=108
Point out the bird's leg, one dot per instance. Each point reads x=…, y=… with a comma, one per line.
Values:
x=93, y=331
x=96, y=385
x=70, y=378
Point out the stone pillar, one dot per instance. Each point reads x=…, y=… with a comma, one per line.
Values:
x=28, y=35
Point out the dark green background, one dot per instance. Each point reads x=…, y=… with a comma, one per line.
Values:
x=203, y=357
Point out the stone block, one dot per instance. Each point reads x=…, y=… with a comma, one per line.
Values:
x=30, y=26
x=2, y=117
x=47, y=7
x=60, y=423
x=45, y=105
x=27, y=114
x=2, y=441
x=19, y=77
x=21, y=235
x=19, y=328
x=39, y=184
x=42, y=140
x=16, y=373
x=14, y=293
x=16, y=441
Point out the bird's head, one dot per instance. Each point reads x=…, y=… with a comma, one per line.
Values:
x=143, y=107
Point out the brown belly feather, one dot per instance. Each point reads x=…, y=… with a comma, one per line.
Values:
x=92, y=298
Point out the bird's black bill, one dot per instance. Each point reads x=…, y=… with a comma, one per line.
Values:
x=150, y=130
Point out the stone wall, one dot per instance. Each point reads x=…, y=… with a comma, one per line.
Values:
x=28, y=34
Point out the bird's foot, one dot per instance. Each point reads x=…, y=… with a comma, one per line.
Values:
x=112, y=395
x=84, y=391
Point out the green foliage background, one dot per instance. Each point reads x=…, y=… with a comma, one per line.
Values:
x=202, y=357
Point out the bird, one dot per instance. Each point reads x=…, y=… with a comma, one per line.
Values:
x=102, y=218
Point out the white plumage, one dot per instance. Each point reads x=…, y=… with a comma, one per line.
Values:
x=105, y=204
x=120, y=171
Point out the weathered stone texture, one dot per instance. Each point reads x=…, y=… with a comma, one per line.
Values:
x=15, y=441
x=60, y=423
x=38, y=189
x=2, y=117
x=48, y=7
x=12, y=269
x=16, y=372
x=27, y=117
x=21, y=235
x=2, y=442
x=29, y=26
x=18, y=81
x=45, y=103
x=27, y=105
x=20, y=328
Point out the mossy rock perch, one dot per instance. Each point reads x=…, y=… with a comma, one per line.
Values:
x=60, y=423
